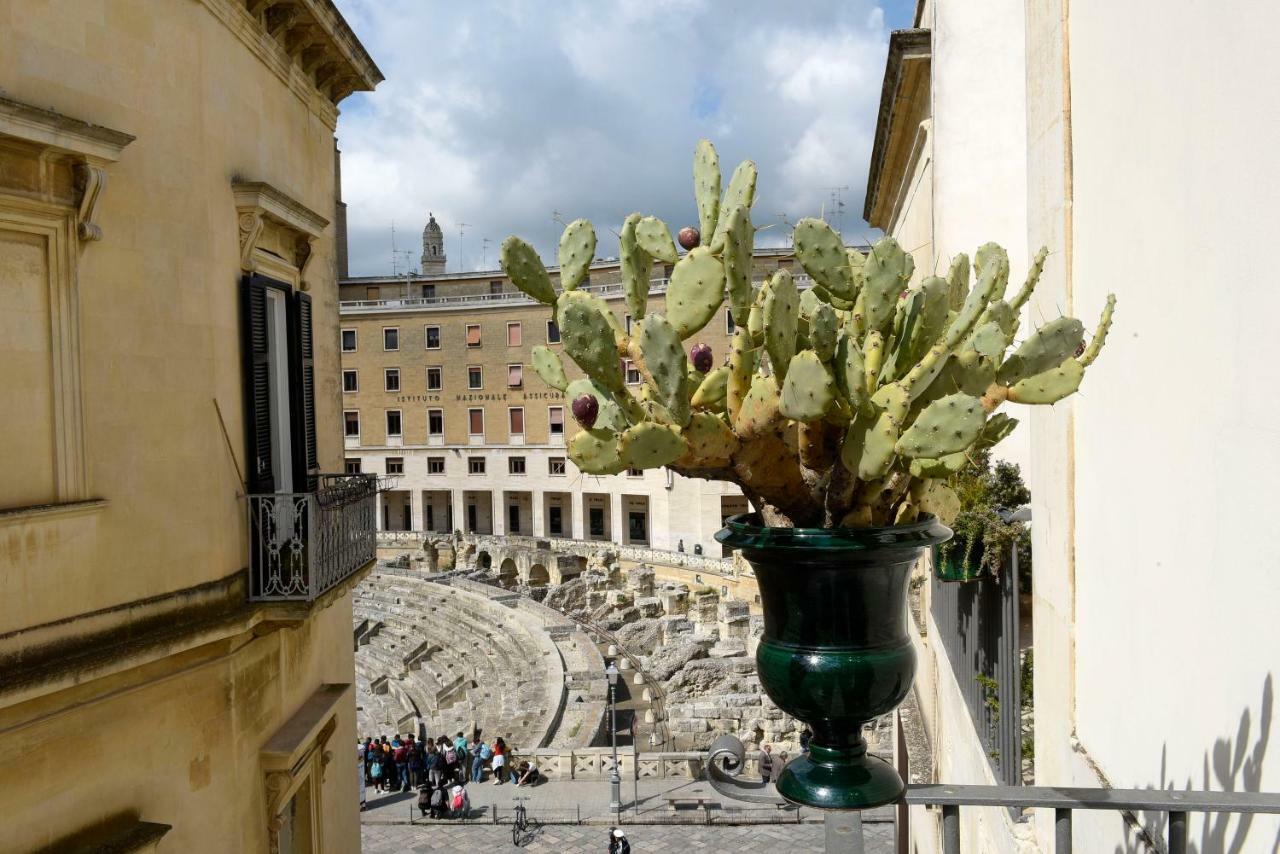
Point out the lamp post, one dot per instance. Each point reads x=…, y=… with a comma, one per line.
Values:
x=615, y=781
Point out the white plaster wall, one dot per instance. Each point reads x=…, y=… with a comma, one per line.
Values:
x=979, y=141
x=1156, y=583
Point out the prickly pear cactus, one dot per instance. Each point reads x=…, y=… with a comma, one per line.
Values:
x=850, y=396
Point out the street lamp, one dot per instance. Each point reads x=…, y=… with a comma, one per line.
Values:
x=615, y=781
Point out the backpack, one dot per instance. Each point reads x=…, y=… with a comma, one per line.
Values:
x=486, y=752
x=459, y=799
x=437, y=798
x=451, y=756
x=375, y=771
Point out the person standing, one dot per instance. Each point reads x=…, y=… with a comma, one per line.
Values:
x=766, y=763
x=499, y=761
x=360, y=769
x=805, y=736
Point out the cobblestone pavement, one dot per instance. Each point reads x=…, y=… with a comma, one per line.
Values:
x=645, y=839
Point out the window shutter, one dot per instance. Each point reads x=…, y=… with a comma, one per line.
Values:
x=257, y=368
x=303, y=380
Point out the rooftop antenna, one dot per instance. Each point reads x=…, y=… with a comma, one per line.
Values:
x=837, y=206
x=790, y=229
x=556, y=217
x=461, y=258
x=484, y=252
x=393, y=249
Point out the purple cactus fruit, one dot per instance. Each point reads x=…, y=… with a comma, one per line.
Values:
x=586, y=409
x=701, y=357
x=689, y=237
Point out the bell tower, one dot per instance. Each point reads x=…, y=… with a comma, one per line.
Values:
x=432, y=248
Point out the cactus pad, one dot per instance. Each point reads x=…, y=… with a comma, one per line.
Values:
x=741, y=367
x=946, y=426
x=663, y=362
x=887, y=271
x=809, y=390
x=710, y=393
x=588, y=337
x=780, y=313
x=1050, y=344
x=851, y=376
x=739, y=240
x=1049, y=387
x=710, y=441
x=548, y=366
x=1100, y=334
x=823, y=329
x=654, y=238
x=596, y=452
x=821, y=253
x=741, y=193
x=610, y=417
x=650, y=445
x=696, y=291
x=706, y=186
x=521, y=262
x=758, y=412
x=958, y=282
x=577, y=251
x=636, y=265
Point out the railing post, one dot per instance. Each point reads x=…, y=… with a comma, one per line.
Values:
x=311, y=536
x=1177, y=832
x=950, y=829
x=1062, y=831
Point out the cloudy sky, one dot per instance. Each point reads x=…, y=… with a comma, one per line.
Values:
x=504, y=113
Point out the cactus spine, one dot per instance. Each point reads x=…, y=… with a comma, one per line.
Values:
x=891, y=385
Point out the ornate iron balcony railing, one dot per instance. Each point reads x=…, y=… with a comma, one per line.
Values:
x=304, y=543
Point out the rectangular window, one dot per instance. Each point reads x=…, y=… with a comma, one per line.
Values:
x=635, y=472
x=391, y=379
x=350, y=382
x=728, y=322
x=555, y=465
x=475, y=421
x=390, y=338
x=351, y=420
x=473, y=335
x=513, y=518
x=395, y=465
x=435, y=465
x=351, y=467
x=475, y=377
x=626, y=321
x=595, y=516
x=553, y=333
x=428, y=291
x=372, y=293
x=475, y=465
x=514, y=334
x=393, y=422
x=515, y=416
x=555, y=521
x=633, y=373
x=348, y=340
x=515, y=465
x=495, y=288
x=435, y=378
x=555, y=420
x=433, y=337
x=515, y=376
x=435, y=422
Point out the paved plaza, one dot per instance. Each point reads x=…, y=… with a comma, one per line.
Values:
x=559, y=805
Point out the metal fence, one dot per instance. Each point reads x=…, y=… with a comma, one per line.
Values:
x=304, y=543
x=977, y=624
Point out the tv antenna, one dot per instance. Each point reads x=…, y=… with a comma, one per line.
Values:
x=462, y=226
x=788, y=226
x=837, y=206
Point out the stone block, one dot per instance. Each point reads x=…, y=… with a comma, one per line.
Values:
x=728, y=609
x=649, y=606
x=640, y=581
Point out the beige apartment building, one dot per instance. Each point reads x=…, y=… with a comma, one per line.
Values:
x=439, y=394
x=175, y=612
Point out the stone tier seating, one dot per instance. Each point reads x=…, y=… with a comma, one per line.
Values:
x=456, y=660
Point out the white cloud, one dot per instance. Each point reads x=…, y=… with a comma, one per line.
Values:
x=498, y=113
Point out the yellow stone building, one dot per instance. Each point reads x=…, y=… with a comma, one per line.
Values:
x=175, y=559
x=439, y=393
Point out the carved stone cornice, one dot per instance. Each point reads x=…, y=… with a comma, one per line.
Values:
x=89, y=148
x=299, y=749
x=259, y=204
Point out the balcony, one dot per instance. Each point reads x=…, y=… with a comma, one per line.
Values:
x=303, y=544
x=657, y=287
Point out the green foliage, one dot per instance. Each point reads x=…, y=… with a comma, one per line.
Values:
x=983, y=540
x=850, y=397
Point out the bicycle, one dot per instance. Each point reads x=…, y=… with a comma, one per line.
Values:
x=522, y=829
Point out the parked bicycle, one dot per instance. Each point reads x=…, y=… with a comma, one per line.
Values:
x=523, y=829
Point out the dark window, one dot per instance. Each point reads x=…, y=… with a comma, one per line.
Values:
x=435, y=379
x=728, y=322
x=435, y=422
x=475, y=465
x=352, y=467
x=350, y=381
x=428, y=291
x=555, y=420
x=475, y=377
x=433, y=337
x=554, y=522
x=515, y=465
x=351, y=421
x=495, y=287
x=392, y=379
x=595, y=517
x=555, y=465
x=435, y=465
x=391, y=338
x=636, y=527
x=395, y=465
x=553, y=333
x=348, y=340
x=393, y=422
x=513, y=518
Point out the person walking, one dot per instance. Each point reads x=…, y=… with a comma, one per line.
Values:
x=361, y=773
x=766, y=763
x=499, y=761
x=618, y=843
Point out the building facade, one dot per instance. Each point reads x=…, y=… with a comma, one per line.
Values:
x=175, y=639
x=1050, y=124
x=440, y=395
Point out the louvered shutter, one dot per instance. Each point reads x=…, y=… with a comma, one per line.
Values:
x=306, y=461
x=257, y=366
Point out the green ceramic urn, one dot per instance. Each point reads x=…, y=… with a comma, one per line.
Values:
x=835, y=652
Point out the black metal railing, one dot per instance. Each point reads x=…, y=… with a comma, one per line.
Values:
x=977, y=625
x=304, y=543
